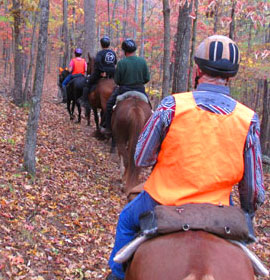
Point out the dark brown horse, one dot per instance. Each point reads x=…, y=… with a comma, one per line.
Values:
x=128, y=120
x=192, y=255
x=99, y=96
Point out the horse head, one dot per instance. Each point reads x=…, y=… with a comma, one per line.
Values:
x=63, y=73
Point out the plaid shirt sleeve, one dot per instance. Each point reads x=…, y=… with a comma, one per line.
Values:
x=154, y=132
x=251, y=187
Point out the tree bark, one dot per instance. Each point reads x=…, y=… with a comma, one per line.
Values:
x=109, y=19
x=142, y=29
x=194, y=34
x=32, y=53
x=265, y=125
x=72, y=34
x=115, y=5
x=232, y=24
x=167, y=43
x=90, y=26
x=135, y=19
x=33, y=118
x=182, y=48
x=65, y=33
x=18, y=71
x=216, y=18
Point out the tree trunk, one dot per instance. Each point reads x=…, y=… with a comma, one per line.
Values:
x=182, y=48
x=109, y=19
x=167, y=43
x=216, y=18
x=125, y=20
x=72, y=35
x=90, y=26
x=18, y=71
x=65, y=33
x=194, y=34
x=32, y=53
x=265, y=126
x=135, y=19
x=142, y=29
x=32, y=125
x=232, y=24
x=115, y=5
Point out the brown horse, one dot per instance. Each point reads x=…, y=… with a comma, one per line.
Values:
x=192, y=255
x=99, y=96
x=128, y=120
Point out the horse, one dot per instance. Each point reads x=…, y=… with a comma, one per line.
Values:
x=190, y=255
x=74, y=91
x=98, y=98
x=128, y=120
x=99, y=95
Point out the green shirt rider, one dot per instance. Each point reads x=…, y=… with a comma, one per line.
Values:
x=131, y=74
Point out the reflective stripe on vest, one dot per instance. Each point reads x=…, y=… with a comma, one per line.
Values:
x=201, y=157
x=78, y=66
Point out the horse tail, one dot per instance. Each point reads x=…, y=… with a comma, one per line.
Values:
x=137, y=121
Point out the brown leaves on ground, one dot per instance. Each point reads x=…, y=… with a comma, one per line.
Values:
x=61, y=225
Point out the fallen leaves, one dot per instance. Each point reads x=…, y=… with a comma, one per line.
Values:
x=61, y=224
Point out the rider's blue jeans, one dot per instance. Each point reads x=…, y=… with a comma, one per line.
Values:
x=128, y=226
x=69, y=78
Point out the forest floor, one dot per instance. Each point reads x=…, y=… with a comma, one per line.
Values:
x=61, y=224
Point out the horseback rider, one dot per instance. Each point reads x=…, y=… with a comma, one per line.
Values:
x=202, y=143
x=77, y=67
x=131, y=74
x=105, y=62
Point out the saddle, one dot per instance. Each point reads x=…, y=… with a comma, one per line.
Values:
x=228, y=222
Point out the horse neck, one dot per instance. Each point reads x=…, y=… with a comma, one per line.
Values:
x=90, y=65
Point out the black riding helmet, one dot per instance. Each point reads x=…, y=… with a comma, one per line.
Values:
x=129, y=46
x=105, y=42
x=218, y=56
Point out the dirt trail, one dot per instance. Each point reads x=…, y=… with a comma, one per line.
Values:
x=61, y=225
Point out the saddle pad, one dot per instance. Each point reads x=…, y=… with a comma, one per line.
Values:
x=132, y=93
x=228, y=222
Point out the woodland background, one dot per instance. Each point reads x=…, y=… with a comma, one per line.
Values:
x=58, y=213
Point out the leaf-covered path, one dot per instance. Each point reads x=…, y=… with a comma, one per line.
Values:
x=61, y=225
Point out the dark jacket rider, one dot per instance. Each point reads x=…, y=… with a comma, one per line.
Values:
x=105, y=62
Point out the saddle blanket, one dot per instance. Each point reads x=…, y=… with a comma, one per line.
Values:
x=131, y=93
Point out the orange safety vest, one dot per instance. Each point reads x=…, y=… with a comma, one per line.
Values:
x=201, y=157
x=78, y=66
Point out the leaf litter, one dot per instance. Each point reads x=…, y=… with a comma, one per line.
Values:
x=61, y=224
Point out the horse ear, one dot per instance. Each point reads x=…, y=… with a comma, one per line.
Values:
x=61, y=69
